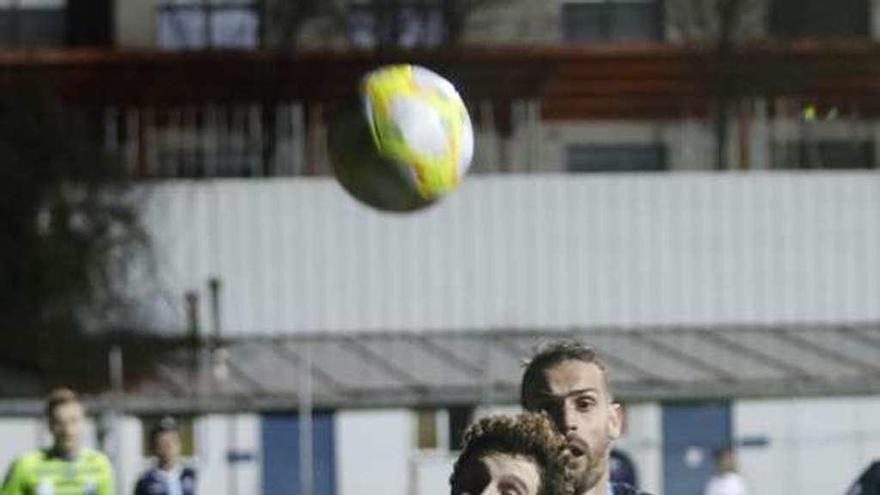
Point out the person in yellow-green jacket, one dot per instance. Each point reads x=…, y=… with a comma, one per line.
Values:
x=65, y=468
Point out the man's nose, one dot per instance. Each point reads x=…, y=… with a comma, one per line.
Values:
x=566, y=419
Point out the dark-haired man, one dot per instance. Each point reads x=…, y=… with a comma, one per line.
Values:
x=168, y=476
x=567, y=381
x=511, y=455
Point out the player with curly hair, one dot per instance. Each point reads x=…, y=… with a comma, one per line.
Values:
x=511, y=455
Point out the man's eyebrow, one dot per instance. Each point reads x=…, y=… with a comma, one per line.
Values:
x=546, y=394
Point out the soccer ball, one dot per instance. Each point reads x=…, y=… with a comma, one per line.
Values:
x=404, y=141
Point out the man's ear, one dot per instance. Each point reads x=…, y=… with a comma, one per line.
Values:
x=615, y=421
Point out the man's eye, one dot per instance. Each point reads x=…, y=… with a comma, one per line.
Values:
x=510, y=489
x=584, y=404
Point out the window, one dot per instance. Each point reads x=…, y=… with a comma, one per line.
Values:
x=459, y=419
x=611, y=20
x=824, y=154
x=442, y=428
x=819, y=18
x=427, y=429
x=616, y=157
x=196, y=24
x=403, y=23
x=32, y=23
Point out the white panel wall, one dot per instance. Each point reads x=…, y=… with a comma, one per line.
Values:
x=19, y=435
x=216, y=436
x=432, y=471
x=816, y=446
x=643, y=441
x=526, y=250
x=373, y=450
x=129, y=462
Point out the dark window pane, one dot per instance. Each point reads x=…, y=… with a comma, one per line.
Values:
x=819, y=18
x=634, y=22
x=830, y=154
x=582, y=22
x=89, y=23
x=32, y=27
x=616, y=158
x=459, y=419
x=846, y=154
x=611, y=20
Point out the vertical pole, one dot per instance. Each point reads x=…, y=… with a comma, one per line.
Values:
x=214, y=286
x=306, y=465
x=118, y=387
x=488, y=372
x=195, y=367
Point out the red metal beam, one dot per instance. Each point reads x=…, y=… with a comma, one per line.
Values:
x=572, y=82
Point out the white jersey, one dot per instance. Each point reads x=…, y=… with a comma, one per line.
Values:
x=726, y=484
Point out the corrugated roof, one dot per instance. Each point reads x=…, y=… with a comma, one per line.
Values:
x=407, y=369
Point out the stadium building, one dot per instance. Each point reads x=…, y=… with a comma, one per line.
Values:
x=733, y=288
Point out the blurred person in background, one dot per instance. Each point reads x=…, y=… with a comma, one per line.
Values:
x=65, y=468
x=868, y=482
x=511, y=455
x=568, y=381
x=623, y=468
x=168, y=476
x=726, y=480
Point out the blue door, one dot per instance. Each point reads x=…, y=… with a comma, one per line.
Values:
x=691, y=433
x=280, y=434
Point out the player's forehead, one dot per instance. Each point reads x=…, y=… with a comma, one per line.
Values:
x=168, y=436
x=573, y=377
x=69, y=409
x=515, y=467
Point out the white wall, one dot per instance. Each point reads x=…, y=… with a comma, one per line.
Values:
x=19, y=435
x=816, y=446
x=215, y=437
x=373, y=450
x=129, y=462
x=643, y=440
x=525, y=250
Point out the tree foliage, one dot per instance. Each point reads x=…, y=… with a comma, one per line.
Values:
x=71, y=233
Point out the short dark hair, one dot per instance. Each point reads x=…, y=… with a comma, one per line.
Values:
x=58, y=397
x=722, y=451
x=164, y=425
x=549, y=355
x=529, y=435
